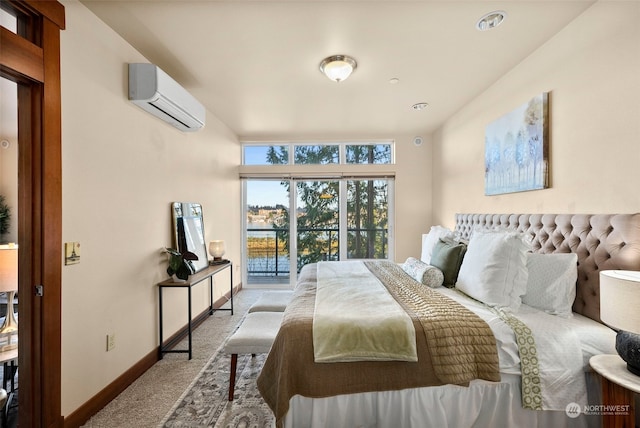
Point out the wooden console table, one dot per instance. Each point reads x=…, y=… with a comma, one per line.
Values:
x=194, y=279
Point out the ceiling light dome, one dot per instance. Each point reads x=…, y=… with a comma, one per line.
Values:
x=338, y=67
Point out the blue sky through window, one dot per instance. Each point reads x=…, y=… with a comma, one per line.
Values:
x=266, y=193
x=255, y=155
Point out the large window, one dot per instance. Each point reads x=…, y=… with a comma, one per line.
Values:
x=294, y=220
x=318, y=154
x=265, y=155
x=317, y=221
x=368, y=153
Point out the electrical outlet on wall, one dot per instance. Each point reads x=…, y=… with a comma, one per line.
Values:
x=111, y=341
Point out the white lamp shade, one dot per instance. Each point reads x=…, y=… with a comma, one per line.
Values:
x=8, y=268
x=620, y=299
x=216, y=249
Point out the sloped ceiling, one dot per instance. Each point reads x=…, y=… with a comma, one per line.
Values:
x=254, y=64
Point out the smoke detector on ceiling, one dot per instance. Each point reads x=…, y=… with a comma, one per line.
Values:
x=491, y=20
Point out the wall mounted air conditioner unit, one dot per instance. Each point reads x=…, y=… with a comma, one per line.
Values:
x=156, y=92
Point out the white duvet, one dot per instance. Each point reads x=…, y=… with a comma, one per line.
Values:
x=482, y=404
x=564, y=347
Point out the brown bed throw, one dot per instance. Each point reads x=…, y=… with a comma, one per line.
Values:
x=454, y=346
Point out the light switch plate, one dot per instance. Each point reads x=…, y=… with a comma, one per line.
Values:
x=111, y=341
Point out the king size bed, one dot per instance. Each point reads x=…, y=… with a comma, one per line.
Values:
x=505, y=342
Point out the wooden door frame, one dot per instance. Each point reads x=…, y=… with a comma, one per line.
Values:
x=32, y=59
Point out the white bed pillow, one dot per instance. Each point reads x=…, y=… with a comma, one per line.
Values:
x=551, y=284
x=429, y=240
x=423, y=273
x=494, y=269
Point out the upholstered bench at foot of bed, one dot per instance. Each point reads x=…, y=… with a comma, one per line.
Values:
x=254, y=336
x=272, y=301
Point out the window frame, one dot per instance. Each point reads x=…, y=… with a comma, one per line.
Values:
x=341, y=171
x=342, y=148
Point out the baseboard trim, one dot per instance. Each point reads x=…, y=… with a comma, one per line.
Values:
x=96, y=403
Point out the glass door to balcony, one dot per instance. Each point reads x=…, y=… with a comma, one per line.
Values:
x=267, y=241
x=317, y=221
x=335, y=219
x=367, y=219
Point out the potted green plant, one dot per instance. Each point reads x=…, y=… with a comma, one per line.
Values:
x=180, y=264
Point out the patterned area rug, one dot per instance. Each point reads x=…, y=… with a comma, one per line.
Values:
x=205, y=402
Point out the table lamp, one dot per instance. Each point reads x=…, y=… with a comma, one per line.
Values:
x=216, y=249
x=9, y=285
x=620, y=310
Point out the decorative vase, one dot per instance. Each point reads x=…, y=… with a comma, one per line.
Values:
x=175, y=278
x=628, y=347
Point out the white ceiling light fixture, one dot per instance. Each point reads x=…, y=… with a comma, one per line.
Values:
x=420, y=106
x=491, y=20
x=338, y=67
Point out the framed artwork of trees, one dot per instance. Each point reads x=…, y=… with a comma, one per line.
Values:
x=517, y=149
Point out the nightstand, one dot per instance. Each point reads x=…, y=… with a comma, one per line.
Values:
x=618, y=387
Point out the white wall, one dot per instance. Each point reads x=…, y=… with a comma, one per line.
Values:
x=413, y=195
x=592, y=71
x=122, y=168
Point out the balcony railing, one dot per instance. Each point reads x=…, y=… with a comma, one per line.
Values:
x=268, y=257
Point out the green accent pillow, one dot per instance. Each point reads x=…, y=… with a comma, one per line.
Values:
x=447, y=256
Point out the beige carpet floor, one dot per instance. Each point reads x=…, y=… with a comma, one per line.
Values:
x=148, y=400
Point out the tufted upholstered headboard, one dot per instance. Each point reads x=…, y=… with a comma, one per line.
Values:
x=601, y=241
